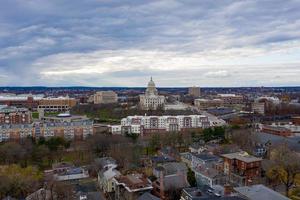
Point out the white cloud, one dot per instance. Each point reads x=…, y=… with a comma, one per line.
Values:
x=217, y=74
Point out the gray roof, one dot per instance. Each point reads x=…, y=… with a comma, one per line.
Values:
x=174, y=167
x=201, y=193
x=104, y=161
x=148, y=196
x=175, y=181
x=206, y=157
x=259, y=192
x=243, y=156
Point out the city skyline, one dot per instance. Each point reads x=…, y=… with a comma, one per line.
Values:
x=123, y=43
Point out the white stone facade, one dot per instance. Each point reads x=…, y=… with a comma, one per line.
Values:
x=151, y=100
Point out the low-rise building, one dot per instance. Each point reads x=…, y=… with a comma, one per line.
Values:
x=205, y=193
x=259, y=192
x=73, y=173
x=205, y=104
x=207, y=169
x=107, y=173
x=170, y=176
x=277, y=130
x=131, y=186
x=105, y=97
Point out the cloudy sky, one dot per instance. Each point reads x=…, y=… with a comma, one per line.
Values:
x=124, y=42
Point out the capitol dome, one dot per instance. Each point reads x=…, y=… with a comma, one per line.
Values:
x=151, y=89
x=151, y=83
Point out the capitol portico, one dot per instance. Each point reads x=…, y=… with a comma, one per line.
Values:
x=151, y=100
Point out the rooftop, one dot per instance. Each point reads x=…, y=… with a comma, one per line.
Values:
x=206, y=193
x=134, y=182
x=206, y=157
x=259, y=192
x=243, y=156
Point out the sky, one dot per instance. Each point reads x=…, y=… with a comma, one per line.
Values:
x=206, y=43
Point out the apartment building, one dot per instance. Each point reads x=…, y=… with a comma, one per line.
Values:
x=159, y=124
x=67, y=126
x=105, y=97
x=15, y=131
x=14, y=115
x=64, y=125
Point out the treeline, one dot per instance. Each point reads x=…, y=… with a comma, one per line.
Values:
x=282, y=109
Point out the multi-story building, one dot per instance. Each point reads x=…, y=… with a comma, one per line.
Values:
x=15, y=131
x=151, y=100
x=64, y=125
x=13, y=115
x=105, y=97
x=208, y=103
x=156, y=124
x=23, y=100
x=231, y=99
x=67, y=126
x=59, y=104
x=194, y=91
x=33, y=102
x=242, y=168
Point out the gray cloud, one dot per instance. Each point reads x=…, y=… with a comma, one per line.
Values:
x=101, y=42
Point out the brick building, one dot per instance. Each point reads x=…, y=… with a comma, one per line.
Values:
x=13, y=115
x=277, y=130
x=242, y=168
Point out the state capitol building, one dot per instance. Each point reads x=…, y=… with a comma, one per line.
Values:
x=151, y=100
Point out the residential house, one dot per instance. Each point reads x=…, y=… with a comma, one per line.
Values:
x=242, y=168
x=107, y=171
x=170, y=176
x=131, y=186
